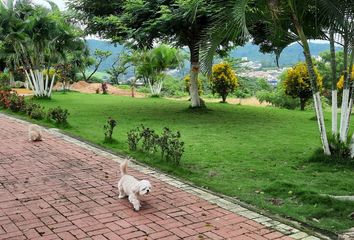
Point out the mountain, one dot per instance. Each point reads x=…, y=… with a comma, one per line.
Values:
x=291, y=55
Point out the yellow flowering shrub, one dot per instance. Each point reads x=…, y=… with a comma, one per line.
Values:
x=224, y=80
x=340, y=83
x=187, y=82
x=297, y=83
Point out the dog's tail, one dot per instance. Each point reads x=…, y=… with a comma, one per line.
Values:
x=123, y=167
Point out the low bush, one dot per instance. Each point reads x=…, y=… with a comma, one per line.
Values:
x=108, y=130
x=173, y=87
x=17, y=103
x=58, y=115
x=35, y=111
x=278, y=99
x=4, y=81
x=169, y=143
x=104, y=87
x=133, y=139
x=338, y=148
x=149, y=139
x=171, y=146
x=5, y=99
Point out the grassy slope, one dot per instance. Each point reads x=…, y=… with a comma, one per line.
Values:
x=236, y=150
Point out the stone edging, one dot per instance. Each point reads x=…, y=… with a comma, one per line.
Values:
x=222, y=202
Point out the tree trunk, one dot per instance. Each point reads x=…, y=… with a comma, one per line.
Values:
x=345, y=98
x=350, y=105
x=314, y=87
x=302, y=104
x=224, y=96
x=2, y=65
x=334, y=85
x=194, y=71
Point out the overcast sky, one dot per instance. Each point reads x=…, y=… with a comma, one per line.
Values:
x=60, y=3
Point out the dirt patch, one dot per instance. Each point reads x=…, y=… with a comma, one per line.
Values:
x=85, y=87
x=252, y=101
x=23, y=91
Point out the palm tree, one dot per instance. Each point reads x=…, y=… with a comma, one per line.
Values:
x=38, y=37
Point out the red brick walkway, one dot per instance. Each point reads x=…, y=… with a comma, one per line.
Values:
x=57, y=190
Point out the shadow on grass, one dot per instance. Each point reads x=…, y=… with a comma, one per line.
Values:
x=333, y=160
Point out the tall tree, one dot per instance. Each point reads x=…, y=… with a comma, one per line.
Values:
x=142, y=22
x=34, y=38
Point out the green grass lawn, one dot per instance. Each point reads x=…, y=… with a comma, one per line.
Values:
x=259, y=155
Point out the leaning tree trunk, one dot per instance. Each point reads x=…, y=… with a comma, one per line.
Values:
x=350, y=105
x=346, y=88
x=334, y=85
x=314, y=87
x=194, y=71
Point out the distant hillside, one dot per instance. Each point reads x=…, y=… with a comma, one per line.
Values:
x=290, y=55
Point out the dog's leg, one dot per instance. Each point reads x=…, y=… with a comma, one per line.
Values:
x=135, y=202
x=121, y=192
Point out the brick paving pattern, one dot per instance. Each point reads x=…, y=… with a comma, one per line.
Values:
x=55, y=189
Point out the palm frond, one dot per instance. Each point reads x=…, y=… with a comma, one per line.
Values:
x=228, y=25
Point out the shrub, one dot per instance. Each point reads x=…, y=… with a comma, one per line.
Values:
x=338, y=148
x=4, y=81
x=277, y=98
x=104, y=88
x=58, y=115
x=297, y=83
x=169, y=143
x=150, y=139
x=35, y=111
x=224, y=80
x=171, y=146
x=133, y=138
x=5, y=99
x=173, y=87
x=17, y=103
x=108, y=129
x=340, y=83
x=18, y=84
x=97, y=91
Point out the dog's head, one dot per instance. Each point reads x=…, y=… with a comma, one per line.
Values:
x=144, y=187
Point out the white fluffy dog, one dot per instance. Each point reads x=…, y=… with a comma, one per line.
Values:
x=131, y=187
x=34, y=133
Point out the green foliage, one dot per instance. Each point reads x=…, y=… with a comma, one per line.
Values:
x=151, y=65
x=4, y=81
x=324, y=67
x=16, y=102
x=4, y=99
x=187, y=84
x=171, y=146
x=119, y=67
x=297, y=83
x=149, y=139
x=173, y=87
x=169, y=143
x=108, y=130
x=35, y=37
x=224, y=80
x=277, y=98
x=134, y=138
x=249, y=86
x=58, y=115
x=35, y=111
x=339, y=149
